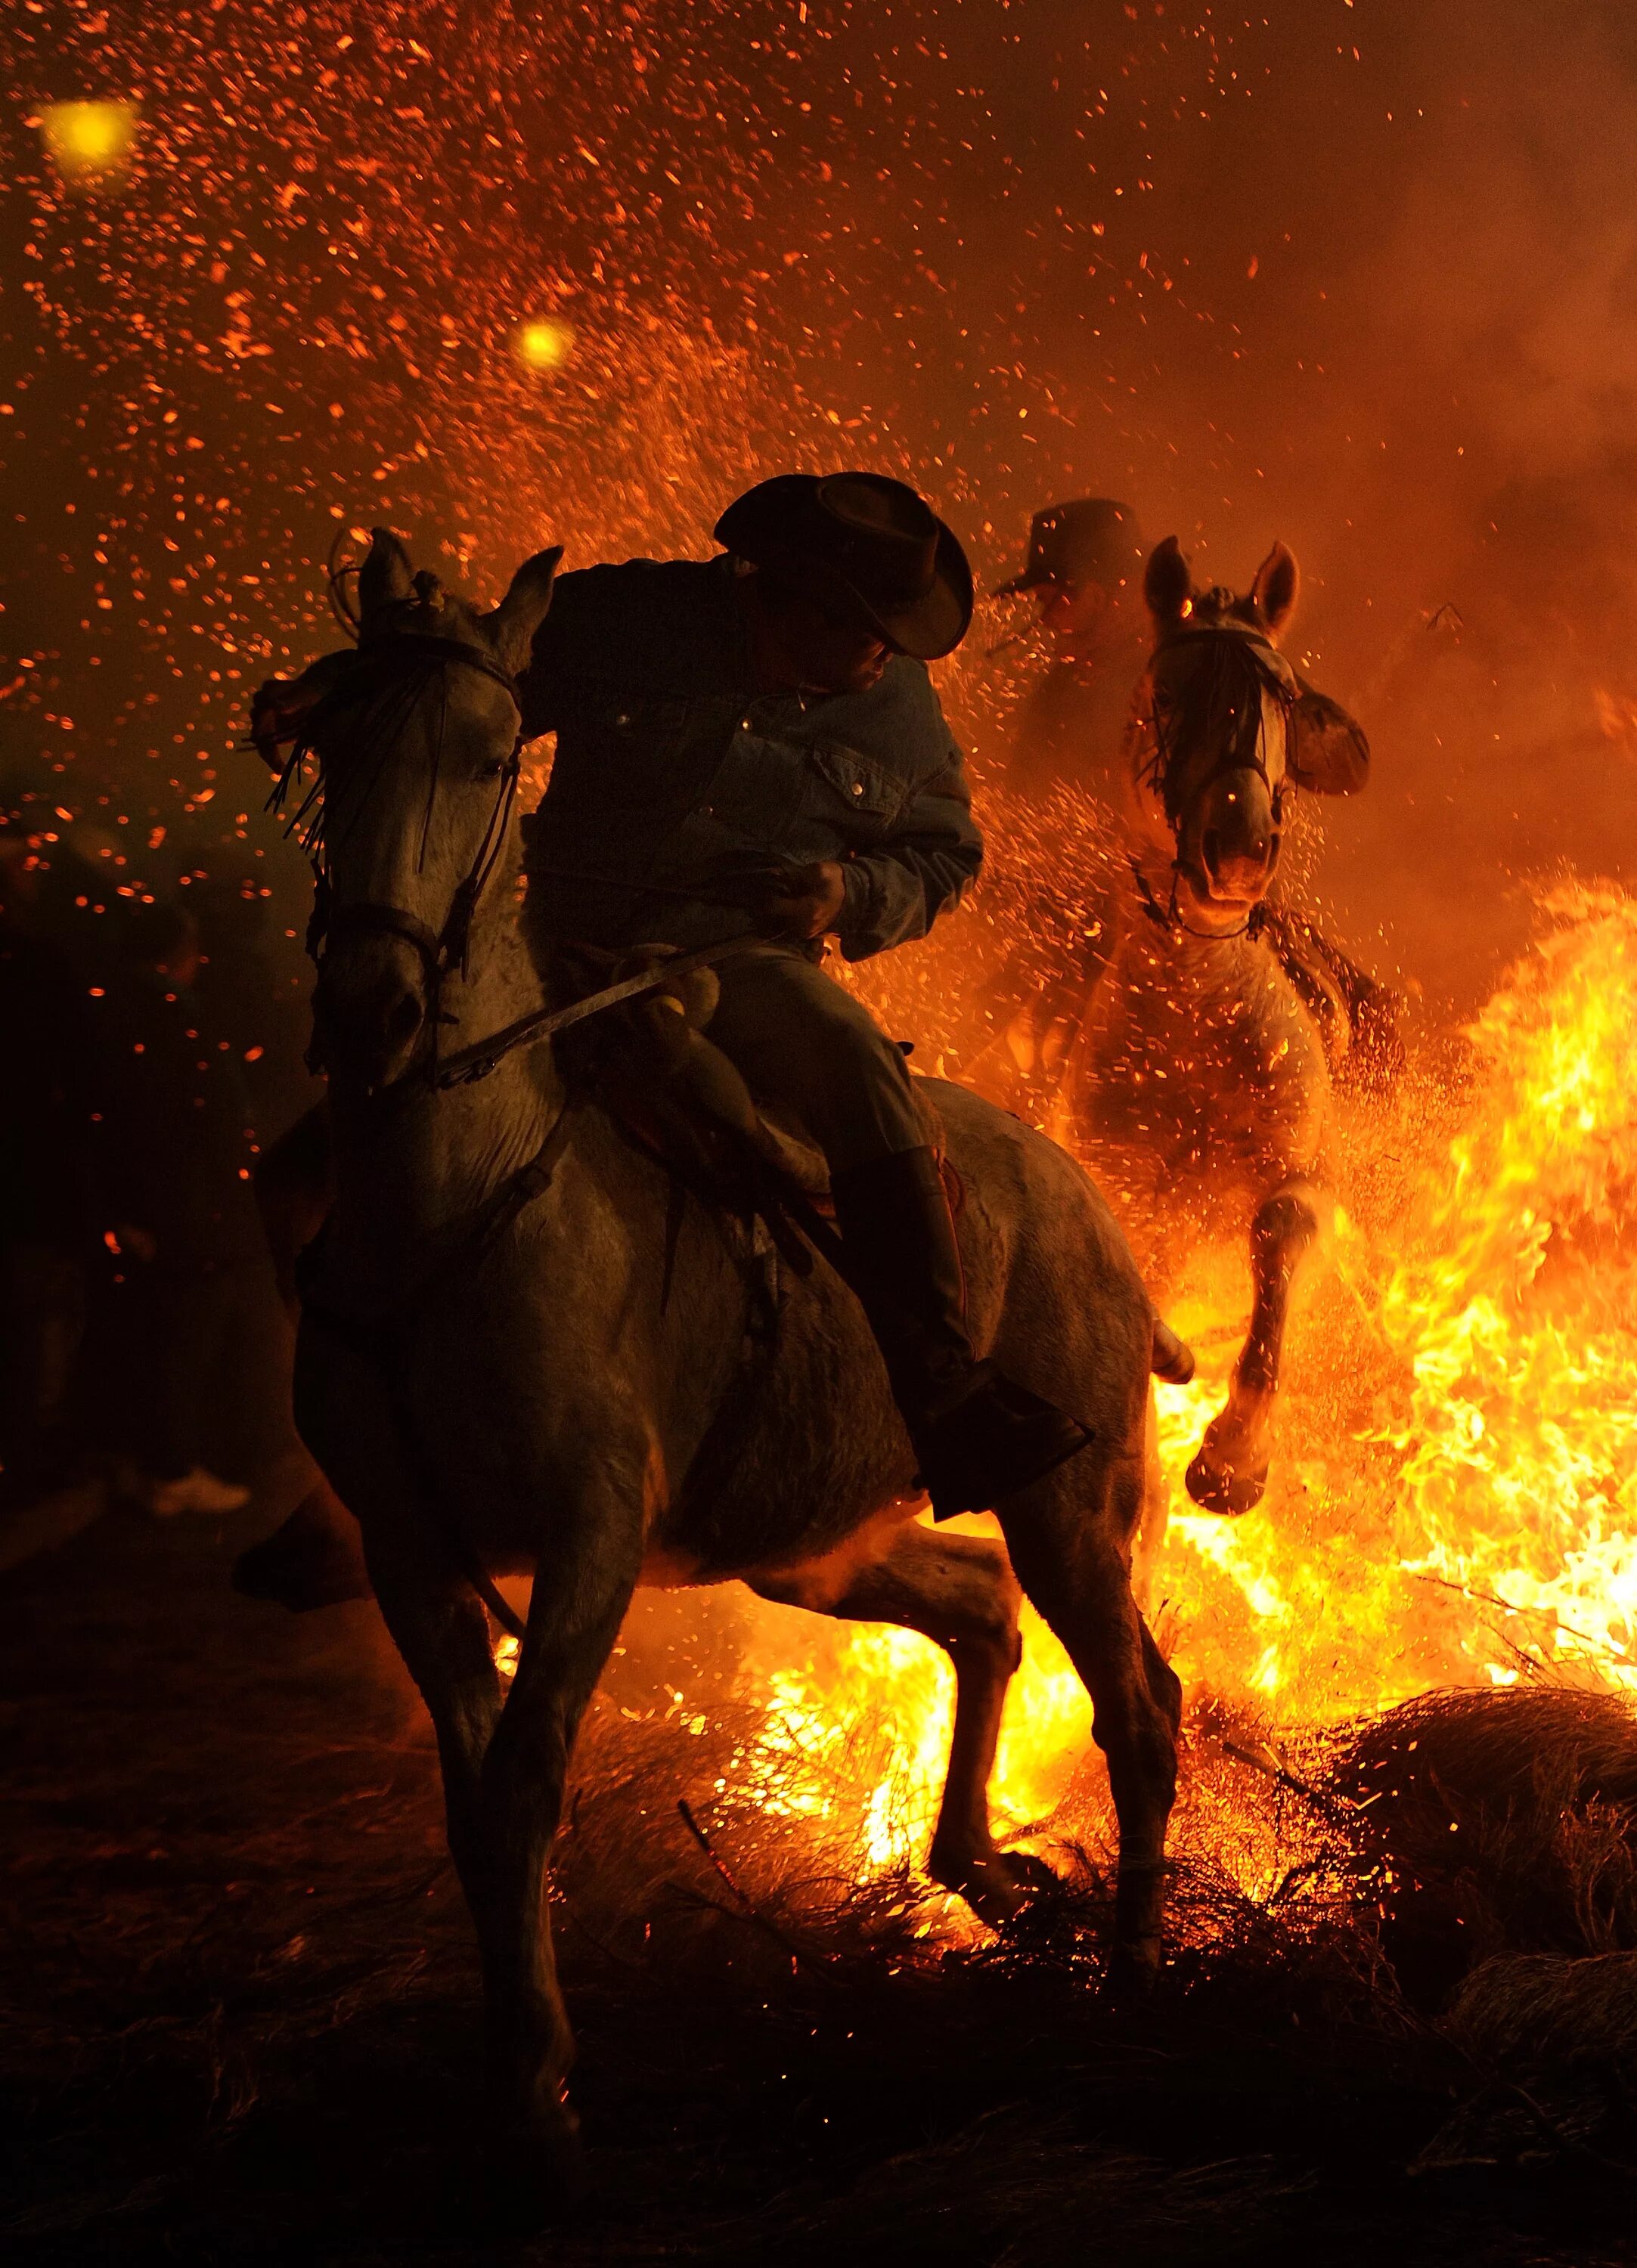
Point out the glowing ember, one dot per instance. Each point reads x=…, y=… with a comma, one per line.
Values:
x=544, y=345
x=89, y=143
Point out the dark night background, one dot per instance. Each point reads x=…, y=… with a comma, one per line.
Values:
x=1362, y=276
x=1359, y=273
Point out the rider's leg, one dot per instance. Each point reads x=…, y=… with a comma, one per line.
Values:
x=798, y=1036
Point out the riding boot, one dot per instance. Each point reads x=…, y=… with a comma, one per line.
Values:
x=978, y=1435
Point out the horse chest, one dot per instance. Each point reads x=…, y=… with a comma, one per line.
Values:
x=1214, y=1069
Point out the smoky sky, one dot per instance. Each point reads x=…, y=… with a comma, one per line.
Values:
x=1362, y=277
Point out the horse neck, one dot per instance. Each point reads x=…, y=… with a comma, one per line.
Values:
x=422, y=1159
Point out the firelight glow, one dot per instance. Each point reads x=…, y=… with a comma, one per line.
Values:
x=89, y=142
x=544, y=343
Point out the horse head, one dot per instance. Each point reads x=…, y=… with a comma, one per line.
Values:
x=416, y=737
x=1222, y=729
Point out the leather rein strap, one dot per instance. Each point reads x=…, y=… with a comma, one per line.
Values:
x=478, y=1060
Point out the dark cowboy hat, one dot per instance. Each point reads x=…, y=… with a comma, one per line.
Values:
x=1088, y=540
x=863, y=543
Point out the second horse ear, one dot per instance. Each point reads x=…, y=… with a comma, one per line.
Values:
x=525, y=607
x=1167, y=584
x=1278, y=582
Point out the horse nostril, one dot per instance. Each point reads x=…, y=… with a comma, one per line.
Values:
x=404, y=1021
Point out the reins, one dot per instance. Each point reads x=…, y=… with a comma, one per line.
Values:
x=1170, y=919
x=478, y=1060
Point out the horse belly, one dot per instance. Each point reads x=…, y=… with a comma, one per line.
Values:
x=1197, y=1110
x=816, y=1449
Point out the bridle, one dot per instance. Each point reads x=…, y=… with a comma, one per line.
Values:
x=445, y=950
x=1242, y=751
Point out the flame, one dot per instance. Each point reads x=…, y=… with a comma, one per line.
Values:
x=1455, y=1490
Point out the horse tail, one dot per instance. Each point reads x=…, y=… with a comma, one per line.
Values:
x=1171, y=1360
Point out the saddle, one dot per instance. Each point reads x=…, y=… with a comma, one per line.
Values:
x=676, y=1095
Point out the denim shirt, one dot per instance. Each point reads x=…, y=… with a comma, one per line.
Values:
x=677, y=790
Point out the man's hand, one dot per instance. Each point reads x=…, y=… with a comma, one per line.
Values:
x=807, y=901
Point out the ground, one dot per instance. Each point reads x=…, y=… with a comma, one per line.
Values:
x=240, y=2014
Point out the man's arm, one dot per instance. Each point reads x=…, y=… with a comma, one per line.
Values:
x=1328, y=752
x=896, y=893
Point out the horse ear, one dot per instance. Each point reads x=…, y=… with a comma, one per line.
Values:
x=385, y=579
x=525, y=607
x=1277, y=581
x=1167, y=584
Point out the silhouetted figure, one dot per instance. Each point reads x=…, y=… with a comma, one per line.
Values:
x=173, y=1159
x=45, y=1213
x=1084, y=570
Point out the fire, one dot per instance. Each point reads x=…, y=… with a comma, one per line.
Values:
x=1455, y=1492
x=1455, y=1500
x=543, y=344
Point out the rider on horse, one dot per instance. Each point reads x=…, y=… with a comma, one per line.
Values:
x=1083, y=572
x=752, y=744
x=754, y=740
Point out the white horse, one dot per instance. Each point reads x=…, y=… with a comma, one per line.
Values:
x=491, y=1377
x=1199, y=1083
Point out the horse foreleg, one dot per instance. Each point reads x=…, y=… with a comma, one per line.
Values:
x=582, y=1588
x=435, y=1620
x=1229, y=1471
x=1069, y=1538
x=959, y=1591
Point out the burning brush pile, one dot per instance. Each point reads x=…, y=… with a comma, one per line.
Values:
x=1411, y=1777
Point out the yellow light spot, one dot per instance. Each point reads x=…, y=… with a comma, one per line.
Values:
x=89, y=142
x=544, y=344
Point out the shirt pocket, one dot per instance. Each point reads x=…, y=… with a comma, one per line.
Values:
x=852, y=791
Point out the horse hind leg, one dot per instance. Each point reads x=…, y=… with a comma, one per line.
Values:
x=1069, y=1538
x=1229, y=1471
x=959, y=1591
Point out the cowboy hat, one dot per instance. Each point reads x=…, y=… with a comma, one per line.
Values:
x=865, y=543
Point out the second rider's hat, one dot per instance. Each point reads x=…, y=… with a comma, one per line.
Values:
x=1088, y=540
x=865, y=543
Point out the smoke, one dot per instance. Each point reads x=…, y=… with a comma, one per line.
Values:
x=1363, y=277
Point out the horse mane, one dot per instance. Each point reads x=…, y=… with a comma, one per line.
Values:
x=289, y=719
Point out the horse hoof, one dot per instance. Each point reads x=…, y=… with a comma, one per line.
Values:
x=537, y=2170
x=1219, y=1488
x=998, y=1884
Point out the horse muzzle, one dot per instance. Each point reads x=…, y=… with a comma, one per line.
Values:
x=369, y=1012
x=1237, y=844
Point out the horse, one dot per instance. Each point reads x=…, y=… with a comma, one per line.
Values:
x=1197, y=1086
x=522, y=1346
